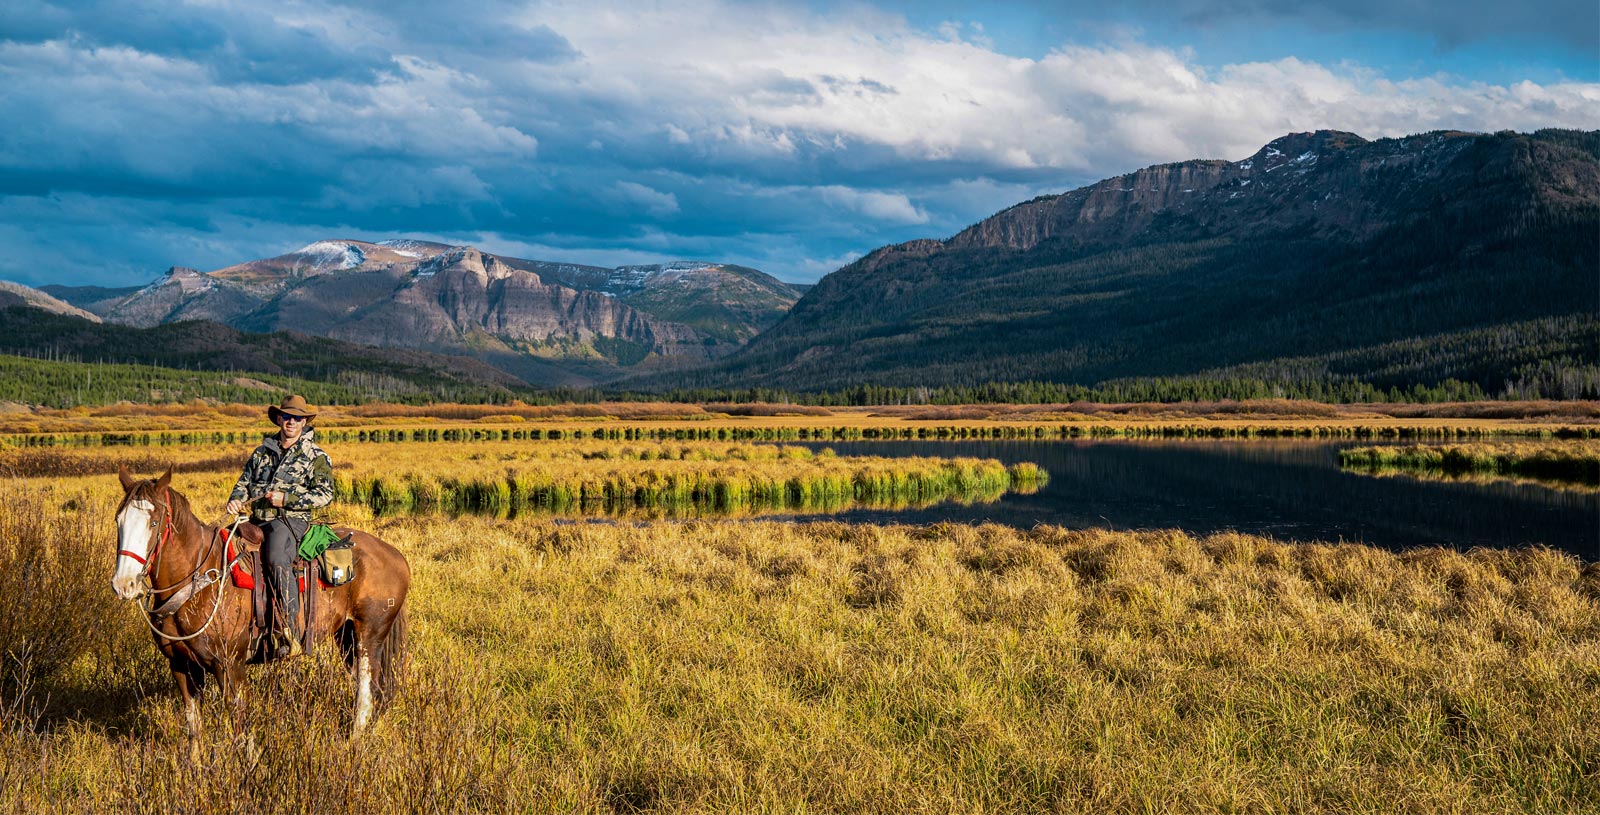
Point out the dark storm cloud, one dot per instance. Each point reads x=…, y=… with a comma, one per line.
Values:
x=1576, y=23
x=239, y=44
x=142, y=135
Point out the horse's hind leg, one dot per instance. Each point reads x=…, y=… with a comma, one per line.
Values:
x=370, y=656
x=355, y=655
x=363, y=689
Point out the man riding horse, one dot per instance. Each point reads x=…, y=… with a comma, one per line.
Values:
x=287, y=484
x=183, y=573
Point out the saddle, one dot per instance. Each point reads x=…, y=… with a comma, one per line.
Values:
x=248, y=567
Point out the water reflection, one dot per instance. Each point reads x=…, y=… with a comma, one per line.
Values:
x=1291, y=490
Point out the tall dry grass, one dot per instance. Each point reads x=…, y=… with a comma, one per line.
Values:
x=1282, y=417
x=757, y=666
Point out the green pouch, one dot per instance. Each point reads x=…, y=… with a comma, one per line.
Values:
x=316, y=541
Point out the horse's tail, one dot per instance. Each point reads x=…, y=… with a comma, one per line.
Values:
x=391, y=658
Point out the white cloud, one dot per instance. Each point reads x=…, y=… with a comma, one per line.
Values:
x=658, y=204
x=813, y=269
x=882, y=206
x=786, y=85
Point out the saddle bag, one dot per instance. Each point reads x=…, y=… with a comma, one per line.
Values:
x=336, y=555
x=339, y=561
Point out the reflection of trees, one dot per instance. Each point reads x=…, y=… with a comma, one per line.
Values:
x=1289, y=490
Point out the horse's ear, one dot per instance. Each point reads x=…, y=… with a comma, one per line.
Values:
x=164, y=480
x=125, y=477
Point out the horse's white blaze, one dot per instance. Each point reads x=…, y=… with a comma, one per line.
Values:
x=363, y=691
x=133, y=535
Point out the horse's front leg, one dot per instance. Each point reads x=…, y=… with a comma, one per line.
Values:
x=191, y=683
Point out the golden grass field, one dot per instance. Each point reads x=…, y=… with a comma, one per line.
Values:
x=1264, y=416
x=744, y=665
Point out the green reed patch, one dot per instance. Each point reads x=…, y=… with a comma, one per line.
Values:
x=692, y=485
x=1574, y=461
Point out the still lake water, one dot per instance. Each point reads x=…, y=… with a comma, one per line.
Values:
x=1289, y=490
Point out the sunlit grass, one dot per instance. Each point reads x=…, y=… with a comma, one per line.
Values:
x=736, y=666
x=754, y=666
x=207, y=423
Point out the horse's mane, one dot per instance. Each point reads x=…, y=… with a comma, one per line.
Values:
x=147, y=488
x=143, y=489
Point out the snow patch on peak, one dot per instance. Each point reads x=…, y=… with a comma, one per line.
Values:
x=688, y=266
x=443, y=260
x=174, y=274
x=327, y=256
x=406, y=247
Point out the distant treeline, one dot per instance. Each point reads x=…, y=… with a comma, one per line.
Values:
x=197, y=359
x=1162, y=389
x=63, y=384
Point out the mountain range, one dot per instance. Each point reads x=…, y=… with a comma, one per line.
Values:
x=1322, y=257
x=545, y=323
x=1324, y=253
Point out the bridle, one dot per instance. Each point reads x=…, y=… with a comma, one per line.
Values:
x=186, y=588
x=166, y=526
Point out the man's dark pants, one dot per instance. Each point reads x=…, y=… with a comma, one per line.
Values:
x=283, y=541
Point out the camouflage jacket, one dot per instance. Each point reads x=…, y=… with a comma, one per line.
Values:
x=303, y=473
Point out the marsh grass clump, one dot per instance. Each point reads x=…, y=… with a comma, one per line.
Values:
x=1576, y=462
x=664, y=479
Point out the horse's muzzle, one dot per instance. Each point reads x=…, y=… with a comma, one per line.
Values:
x=128, y=588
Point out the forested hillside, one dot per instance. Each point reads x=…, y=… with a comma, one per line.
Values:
x=1324, y=259
x=354, y=372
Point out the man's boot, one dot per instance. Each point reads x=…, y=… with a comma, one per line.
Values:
x=288, y=623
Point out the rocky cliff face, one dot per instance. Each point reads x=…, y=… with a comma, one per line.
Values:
x=1122, y=208
x=182, y=294
x=1329, y=182
x=464, y=299
x=726, y=303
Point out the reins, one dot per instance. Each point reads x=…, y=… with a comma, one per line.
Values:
x=198, y=580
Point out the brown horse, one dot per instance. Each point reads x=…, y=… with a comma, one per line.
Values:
x=202, y=622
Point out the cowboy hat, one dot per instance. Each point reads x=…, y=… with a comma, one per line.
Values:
x=293, y=406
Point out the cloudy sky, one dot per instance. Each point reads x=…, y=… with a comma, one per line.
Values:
x=789, y=136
